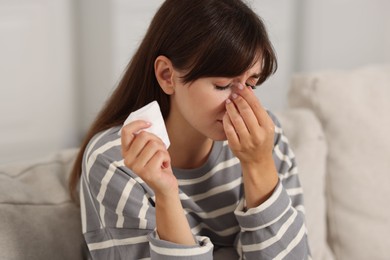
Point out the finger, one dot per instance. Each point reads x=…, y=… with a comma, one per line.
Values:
x=141, y=150
x=151, y=148
x=247, y=114
x=258, y=109
x=141, y=140
x=230, y=132
x=160, y=159
x=128, y=133
x=236, y=120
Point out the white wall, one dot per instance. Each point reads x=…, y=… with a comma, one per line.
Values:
x=343, y=34
x=37, y=100
x=279, y=17
x=94, y=57
x=60, y=59
x=109, y=34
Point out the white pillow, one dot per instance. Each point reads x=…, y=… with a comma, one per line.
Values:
x=308, y=143
x=354, y=109
x=38, y=220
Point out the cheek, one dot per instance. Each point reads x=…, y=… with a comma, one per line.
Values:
x=224, y=96
x=219, y=101
x=205, y=99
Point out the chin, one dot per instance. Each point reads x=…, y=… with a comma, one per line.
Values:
x=218, y=137
x=215, y=134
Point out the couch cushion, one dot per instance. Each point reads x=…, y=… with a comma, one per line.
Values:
x=307, y=141
x=353, y=107
x=37, y=218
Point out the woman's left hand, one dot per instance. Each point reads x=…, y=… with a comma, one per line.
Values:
x=250, y=133
x=248, y=127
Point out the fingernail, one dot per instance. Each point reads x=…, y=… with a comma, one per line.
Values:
x=240, y=86
x=234, y=96
x=228, y=101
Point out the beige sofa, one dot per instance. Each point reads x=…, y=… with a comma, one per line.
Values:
x=338, y=124
x=347, y=197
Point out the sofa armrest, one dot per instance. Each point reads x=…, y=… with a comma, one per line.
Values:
x=38, y=220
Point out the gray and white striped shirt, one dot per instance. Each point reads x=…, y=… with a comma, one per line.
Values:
x=118, y=213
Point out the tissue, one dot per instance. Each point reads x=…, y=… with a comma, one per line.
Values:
x=151, y=113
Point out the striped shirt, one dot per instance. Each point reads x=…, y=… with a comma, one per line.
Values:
x=118, y=208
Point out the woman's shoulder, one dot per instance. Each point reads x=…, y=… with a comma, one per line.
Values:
x=274, y=118
x=107, y=142
x=279, y=133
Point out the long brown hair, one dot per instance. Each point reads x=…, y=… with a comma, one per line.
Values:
x=205, y=38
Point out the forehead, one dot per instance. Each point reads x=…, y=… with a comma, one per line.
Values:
x=255, y=69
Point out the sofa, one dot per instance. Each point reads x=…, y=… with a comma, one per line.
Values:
x=338, y=125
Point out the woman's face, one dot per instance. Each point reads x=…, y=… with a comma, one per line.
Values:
x=199, y=106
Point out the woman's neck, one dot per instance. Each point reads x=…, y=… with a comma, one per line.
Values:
x=189, y=149
x=189, y=156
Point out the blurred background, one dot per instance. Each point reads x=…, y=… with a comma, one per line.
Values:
x=60, y=59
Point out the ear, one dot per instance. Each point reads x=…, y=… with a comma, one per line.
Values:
x=165, y=72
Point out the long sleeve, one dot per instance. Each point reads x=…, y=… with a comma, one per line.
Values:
x=118, y=214
x=276, y=229
x=118, y=208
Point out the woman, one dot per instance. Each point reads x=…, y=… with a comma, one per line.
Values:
x=223, y=182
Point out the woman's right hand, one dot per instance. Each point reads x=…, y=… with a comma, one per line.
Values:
x=146, y=155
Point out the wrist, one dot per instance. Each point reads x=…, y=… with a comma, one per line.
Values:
x=167, y=191
x=259, y=169
x=167, y=196
x=171, y=222
x=260, y=180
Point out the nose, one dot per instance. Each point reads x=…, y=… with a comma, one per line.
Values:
x=238, y=85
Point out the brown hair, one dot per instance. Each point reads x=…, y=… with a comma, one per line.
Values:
x=205, y=38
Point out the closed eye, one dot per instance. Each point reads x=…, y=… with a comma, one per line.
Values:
x=250, y=85
x=222, y=87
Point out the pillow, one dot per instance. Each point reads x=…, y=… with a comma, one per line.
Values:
x=307, y=141
x=37, y=218
x=354, y=110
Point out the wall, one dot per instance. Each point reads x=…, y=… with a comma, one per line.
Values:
x=280, y=20
x=60, y=59
x=343, y=34
x=94, y=57
x=37, y=83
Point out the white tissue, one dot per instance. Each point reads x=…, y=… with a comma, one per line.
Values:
x=151, y=113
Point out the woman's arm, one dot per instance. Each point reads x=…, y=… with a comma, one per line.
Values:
x=276, y=229
x=119, y=210
x=146, y=155
x=250, y=133
x=270, y=224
